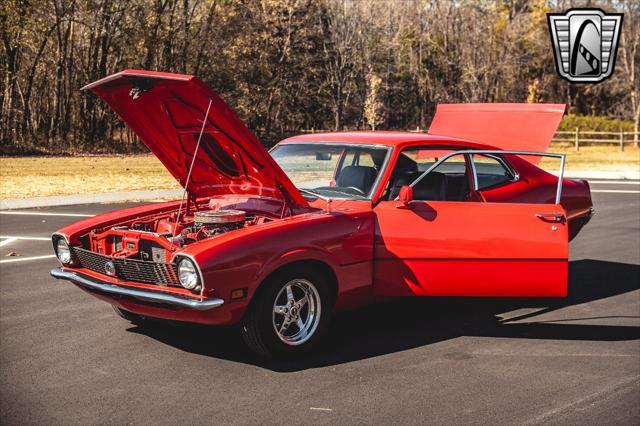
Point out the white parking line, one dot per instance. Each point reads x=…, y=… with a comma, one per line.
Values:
x=615, y=182
x=12, y=237
x=10, y=212
x=23, y=259
x=616, y=191
x=6, y=241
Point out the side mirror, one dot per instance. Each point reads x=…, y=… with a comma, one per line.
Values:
x=406, y=195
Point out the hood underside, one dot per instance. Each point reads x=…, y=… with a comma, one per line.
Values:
x=166, y=111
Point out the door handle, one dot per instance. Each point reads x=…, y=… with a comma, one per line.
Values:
x=550, y=217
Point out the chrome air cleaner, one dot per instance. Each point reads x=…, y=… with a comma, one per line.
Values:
x=219, y=220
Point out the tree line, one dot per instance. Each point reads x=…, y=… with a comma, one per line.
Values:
x=291, y=65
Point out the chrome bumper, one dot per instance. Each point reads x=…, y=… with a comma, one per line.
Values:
x=146, y=295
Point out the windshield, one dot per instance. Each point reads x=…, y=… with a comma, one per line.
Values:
x=332, y=170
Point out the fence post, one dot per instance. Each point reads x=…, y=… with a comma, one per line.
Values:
x=621, y=141
x=577, y=144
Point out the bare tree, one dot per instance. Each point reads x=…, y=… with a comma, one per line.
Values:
x=286, y=65
x=339, y=45
x=373, y=105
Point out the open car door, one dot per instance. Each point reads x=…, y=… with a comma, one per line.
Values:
x=471, y=248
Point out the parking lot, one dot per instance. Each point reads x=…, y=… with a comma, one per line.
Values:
x=66, y=358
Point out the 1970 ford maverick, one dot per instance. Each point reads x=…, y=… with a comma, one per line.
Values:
x=278, y=241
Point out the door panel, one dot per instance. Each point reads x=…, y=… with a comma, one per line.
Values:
x=469, y=249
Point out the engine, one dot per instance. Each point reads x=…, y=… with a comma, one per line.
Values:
x=155, y=238
x=216, y=222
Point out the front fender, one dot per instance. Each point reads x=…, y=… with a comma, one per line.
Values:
x=244, y=258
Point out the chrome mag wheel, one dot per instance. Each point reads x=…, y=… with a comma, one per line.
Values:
x=296, y=312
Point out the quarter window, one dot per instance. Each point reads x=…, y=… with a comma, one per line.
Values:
x=491, y=171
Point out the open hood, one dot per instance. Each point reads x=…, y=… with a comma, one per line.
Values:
x=166, y=111
x=521, y=127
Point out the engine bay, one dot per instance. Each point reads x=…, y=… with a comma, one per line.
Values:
x=156, y=238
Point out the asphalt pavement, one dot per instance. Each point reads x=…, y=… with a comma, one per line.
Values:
x=66, y=358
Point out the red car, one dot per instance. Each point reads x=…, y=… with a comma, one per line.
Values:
x=278, y=241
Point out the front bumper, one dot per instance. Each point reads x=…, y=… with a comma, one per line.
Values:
x=143, y=295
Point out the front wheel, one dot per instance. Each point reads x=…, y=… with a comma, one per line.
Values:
x=289, y=316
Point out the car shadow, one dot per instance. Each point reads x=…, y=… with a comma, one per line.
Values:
x=406, y=323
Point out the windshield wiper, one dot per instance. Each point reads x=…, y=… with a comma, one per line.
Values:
x=315, y=194
x=349, y=195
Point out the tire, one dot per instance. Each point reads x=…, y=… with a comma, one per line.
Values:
x=129, y=316
x=276, y=327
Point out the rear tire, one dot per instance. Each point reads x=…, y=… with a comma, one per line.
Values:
x=129, y=316
x=289, y=314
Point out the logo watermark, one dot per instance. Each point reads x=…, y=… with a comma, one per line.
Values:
x=585, y=43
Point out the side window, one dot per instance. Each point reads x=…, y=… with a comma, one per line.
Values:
x=449, y=181
x=491, y=171
x=452, y=166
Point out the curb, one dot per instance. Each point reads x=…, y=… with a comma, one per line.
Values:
x=68, y=200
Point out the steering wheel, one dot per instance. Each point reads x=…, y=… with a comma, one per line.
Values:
x=358, y=190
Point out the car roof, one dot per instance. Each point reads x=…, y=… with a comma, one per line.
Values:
x=385, y=138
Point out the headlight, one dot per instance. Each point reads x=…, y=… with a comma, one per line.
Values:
x=188, y=274
x=63, y=252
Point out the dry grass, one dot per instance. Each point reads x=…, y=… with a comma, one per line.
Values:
x=595, y=158
x=25, y=177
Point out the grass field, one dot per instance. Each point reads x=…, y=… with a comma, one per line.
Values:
x=595, y=158
x=24, y=177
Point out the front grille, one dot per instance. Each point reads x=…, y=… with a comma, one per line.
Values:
x=130, y=269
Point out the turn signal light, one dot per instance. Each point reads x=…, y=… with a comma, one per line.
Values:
x=238, y=293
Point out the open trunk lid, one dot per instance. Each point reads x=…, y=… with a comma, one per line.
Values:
x=518, y=127
x=166, y=111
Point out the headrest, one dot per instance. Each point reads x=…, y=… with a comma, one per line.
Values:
x=360, y=177
x=405, y=163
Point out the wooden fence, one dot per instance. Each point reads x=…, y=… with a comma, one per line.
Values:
x=582, y=137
